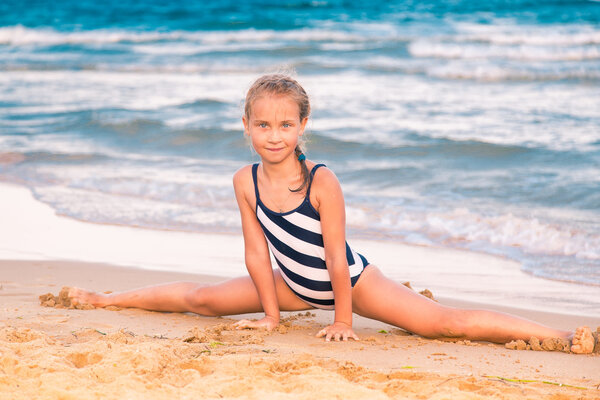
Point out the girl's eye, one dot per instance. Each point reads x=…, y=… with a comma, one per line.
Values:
x=262, y=125
x=287, y=125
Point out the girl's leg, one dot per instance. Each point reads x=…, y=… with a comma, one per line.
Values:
x=235, y=296
x=380, y=298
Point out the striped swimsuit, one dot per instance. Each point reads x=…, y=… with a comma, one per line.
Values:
x=296, y=242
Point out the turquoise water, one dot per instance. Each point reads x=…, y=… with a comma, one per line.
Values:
x=457, y=124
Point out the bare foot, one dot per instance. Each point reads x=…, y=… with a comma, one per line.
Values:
x=583, y=341
x=82, y=296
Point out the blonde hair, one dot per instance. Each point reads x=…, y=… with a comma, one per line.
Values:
x=281, y=84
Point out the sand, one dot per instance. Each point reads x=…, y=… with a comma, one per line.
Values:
x=64, y=353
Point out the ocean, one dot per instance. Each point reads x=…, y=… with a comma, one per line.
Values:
x=463, y=124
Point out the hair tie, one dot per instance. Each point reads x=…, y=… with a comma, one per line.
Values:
x=301, y=157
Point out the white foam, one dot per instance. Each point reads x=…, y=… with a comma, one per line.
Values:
x=191, y=49
x=463, y=226
x=438, y=49
x=89, y=90
x=55, y=143
x=538, y=35
x=485, y=72
x=343, y=46
x=365, y=108
x=19, y=35
x=374, y=109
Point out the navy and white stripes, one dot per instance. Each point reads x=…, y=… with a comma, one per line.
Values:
x=296, y=242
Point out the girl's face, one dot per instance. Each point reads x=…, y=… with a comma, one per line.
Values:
x=274, y=127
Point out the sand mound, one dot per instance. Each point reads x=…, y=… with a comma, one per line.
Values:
x=224, y=335
x=550, y=344
x=426, y=292
x=292, y=322
x=19, y=335
x=62, y=301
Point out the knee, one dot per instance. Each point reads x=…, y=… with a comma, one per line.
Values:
x=197, y=300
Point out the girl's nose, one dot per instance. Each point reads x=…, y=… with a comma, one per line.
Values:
x=274, y=136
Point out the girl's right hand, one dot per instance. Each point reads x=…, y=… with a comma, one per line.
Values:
x=269, y=323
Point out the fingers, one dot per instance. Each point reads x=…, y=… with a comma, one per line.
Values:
x=325, y=332
x=265, y=323
x=331, y=333
x=246, y=324
x=242, y=323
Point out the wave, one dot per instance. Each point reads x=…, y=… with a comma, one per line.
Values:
x=461, y=134
x=463, y=227
x=487, y=72
x=342, y=35
x=19, y=35
x=188, y=189
x=534, y=35
x=436, y=49
x=452, y=69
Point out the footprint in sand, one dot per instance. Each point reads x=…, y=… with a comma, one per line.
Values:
x=54, y=318
x=83, y=359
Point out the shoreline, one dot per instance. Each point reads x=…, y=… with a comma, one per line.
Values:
x=82, y=353
x=34, y=231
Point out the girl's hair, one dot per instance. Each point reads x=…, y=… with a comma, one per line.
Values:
x=280, y=84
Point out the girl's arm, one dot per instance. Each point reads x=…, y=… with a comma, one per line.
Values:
x=331, y=207
x=258, y=261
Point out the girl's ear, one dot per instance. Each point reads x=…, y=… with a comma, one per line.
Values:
x=303, y=125
x=246, y=130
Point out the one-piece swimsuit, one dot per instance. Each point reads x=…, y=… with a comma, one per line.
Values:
x=296, y=242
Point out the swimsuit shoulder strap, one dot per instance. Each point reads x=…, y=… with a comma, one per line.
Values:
x=255, y=180
x=312, y=175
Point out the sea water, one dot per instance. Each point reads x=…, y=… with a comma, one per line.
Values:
x=463, y=124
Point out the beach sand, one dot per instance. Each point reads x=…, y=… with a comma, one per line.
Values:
x=60, y=353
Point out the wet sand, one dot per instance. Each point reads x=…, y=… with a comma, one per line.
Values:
x=51, y=352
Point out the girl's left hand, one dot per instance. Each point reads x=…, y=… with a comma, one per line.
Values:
x=338, y=331
x=268, y=323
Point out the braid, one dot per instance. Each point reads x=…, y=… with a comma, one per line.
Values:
x=304, y=170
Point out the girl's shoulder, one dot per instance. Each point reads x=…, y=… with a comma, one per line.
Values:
x=322, y=172
x=326, y=191
x=323, y=178
x=244, y=171
x=242, y=178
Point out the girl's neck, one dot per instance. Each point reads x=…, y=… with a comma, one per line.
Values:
x=286, y=171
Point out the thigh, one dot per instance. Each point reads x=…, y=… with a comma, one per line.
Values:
x=239, y=296
x=288, y=301
x=377, y=297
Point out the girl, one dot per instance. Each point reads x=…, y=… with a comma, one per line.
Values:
x=295, y=208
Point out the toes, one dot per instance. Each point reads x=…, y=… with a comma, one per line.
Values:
x=583, y=341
